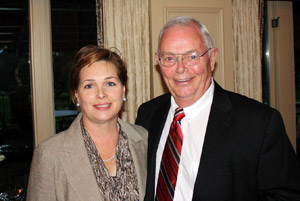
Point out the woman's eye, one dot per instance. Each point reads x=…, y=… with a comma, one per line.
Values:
x=110, y=84
x=88, y=86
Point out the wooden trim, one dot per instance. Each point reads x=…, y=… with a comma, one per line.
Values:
x=41, y=70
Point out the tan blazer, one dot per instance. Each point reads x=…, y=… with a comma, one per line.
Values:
x=61, y=170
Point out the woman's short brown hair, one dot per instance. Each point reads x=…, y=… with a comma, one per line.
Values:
x=88, y=55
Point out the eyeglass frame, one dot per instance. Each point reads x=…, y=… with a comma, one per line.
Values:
x=182, y=55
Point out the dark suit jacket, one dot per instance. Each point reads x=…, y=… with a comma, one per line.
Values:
x=246, y=154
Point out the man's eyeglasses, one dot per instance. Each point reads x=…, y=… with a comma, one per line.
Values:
x=188, y=59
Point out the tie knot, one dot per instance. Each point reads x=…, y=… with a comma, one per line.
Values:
x=179, y=114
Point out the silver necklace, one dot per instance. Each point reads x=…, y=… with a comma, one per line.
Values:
x=107, y=160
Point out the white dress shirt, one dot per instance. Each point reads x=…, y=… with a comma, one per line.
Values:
x=193, y=128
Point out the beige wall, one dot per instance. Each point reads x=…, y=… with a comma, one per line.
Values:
x=282, y=73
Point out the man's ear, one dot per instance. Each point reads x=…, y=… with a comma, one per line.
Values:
x=213, y=57
x=157, y=57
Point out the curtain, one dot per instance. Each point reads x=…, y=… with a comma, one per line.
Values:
x=99, y=15
x=126, y=28
x=247, y=47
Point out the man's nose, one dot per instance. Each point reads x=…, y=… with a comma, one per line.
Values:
x=180, y=65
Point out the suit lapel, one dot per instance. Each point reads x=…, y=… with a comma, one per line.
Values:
x=77, y=166
x=215, y=143
x=157, y=124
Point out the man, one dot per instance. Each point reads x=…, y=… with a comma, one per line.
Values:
x=231, y=148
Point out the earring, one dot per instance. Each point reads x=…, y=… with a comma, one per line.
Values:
x=124, y=98
x=77, y=104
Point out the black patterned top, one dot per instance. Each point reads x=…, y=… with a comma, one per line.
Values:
x=123, y=186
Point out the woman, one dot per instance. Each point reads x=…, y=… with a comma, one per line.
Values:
x=99, y=157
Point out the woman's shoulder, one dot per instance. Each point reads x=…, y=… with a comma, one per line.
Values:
x=132, y=129
x=56, y=142
x=53, y=143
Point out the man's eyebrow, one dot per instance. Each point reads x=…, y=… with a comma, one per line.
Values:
x=190, y=51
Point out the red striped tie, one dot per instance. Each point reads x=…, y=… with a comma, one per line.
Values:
x=170, y=160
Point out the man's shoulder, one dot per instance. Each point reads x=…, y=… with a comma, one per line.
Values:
x=243, y=103
x=157, y=101
x=238, y=101
x=151, y=110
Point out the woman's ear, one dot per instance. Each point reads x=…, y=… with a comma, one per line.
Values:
x=77, y=96
x=124, y=91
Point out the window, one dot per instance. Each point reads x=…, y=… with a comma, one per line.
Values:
x=73, y=26
x=16, y=131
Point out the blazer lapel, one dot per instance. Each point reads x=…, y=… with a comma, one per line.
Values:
x=77, y=166
x=138, y=150
x=216, y=139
